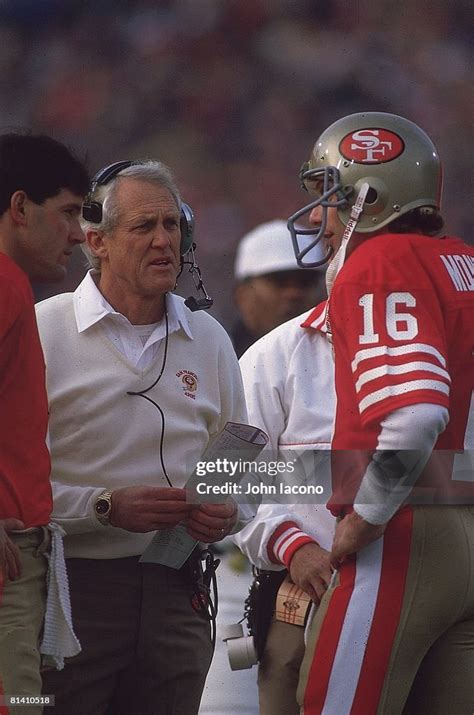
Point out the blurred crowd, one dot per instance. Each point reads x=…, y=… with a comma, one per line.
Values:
x=233, y=93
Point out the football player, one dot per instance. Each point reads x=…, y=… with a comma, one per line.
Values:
x=395, y=630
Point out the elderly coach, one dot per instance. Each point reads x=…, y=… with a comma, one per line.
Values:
x=138, y=387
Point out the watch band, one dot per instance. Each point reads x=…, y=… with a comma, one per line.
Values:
x=103, y=507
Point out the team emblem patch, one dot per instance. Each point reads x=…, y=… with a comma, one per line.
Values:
x=371, y=146
x=291, y=605
x=189, y=382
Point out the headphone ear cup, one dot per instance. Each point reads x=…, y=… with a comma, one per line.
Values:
x=187, y=228
x=92, y=212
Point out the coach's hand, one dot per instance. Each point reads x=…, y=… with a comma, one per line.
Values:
x=212, y=522
x=143, y=509
x=10, y=564
x=310, y=570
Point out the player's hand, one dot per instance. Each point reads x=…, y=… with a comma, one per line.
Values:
x=310, y=569
x=142, y=509
x=212, y=522
x=352, y=534
x=10, y=563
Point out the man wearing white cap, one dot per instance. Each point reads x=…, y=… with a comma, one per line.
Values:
x=270, y=286
x=270, y=289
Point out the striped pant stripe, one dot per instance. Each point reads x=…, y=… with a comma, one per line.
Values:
x=353, y=648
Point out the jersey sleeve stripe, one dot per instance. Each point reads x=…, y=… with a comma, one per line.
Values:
x=296, y=543
x=286, y=549
x=286, y=539
x=369, y=353
x=402, y=389
x=384, y=370
x=284, y=530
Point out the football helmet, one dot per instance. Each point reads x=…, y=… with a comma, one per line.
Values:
x=392, y=154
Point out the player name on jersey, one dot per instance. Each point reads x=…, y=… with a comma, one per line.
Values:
x=461, y=271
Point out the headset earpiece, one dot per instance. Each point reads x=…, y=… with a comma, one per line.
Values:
x=92, y=210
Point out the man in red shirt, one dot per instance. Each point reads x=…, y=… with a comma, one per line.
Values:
x=396, y=628
x=42, y=185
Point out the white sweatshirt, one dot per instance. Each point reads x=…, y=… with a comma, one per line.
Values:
x=289, y=387
x=102, y=438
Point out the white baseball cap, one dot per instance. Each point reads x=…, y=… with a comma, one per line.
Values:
x=266, y=249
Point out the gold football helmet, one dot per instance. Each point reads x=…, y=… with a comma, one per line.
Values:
x=392, y=154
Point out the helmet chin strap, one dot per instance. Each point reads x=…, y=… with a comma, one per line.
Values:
x=338, y=260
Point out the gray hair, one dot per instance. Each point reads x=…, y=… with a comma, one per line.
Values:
x=155, y=172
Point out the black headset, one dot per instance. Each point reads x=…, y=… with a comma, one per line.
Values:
x=92, y=210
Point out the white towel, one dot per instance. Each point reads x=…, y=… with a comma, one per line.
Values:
x=59, y=639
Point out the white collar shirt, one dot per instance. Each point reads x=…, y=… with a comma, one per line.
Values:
x=91, y=308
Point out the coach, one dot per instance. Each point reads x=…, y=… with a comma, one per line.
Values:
x=138, y=387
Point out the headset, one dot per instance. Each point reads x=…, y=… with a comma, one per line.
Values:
x=92, y=212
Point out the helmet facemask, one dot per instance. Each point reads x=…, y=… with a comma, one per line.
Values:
x=326, y=184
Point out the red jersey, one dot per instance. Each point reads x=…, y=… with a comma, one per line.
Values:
x=25, y=489
x=402, y=317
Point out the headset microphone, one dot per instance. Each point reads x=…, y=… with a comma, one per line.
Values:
x=205, y=302
x=198, y=304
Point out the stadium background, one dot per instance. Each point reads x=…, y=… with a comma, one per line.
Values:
x=233, y=93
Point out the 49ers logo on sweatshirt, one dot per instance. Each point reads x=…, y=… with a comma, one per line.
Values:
x=189, y=382
x=371, y=146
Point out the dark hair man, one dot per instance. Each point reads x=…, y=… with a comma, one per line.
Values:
x=42, y=185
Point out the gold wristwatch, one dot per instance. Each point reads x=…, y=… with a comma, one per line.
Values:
x=103, y=507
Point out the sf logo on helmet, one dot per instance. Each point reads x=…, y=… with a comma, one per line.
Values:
x=371, y=146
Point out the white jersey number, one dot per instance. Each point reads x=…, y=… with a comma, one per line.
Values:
x=400, y=325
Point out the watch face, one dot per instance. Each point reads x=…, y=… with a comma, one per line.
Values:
x=102, y=506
